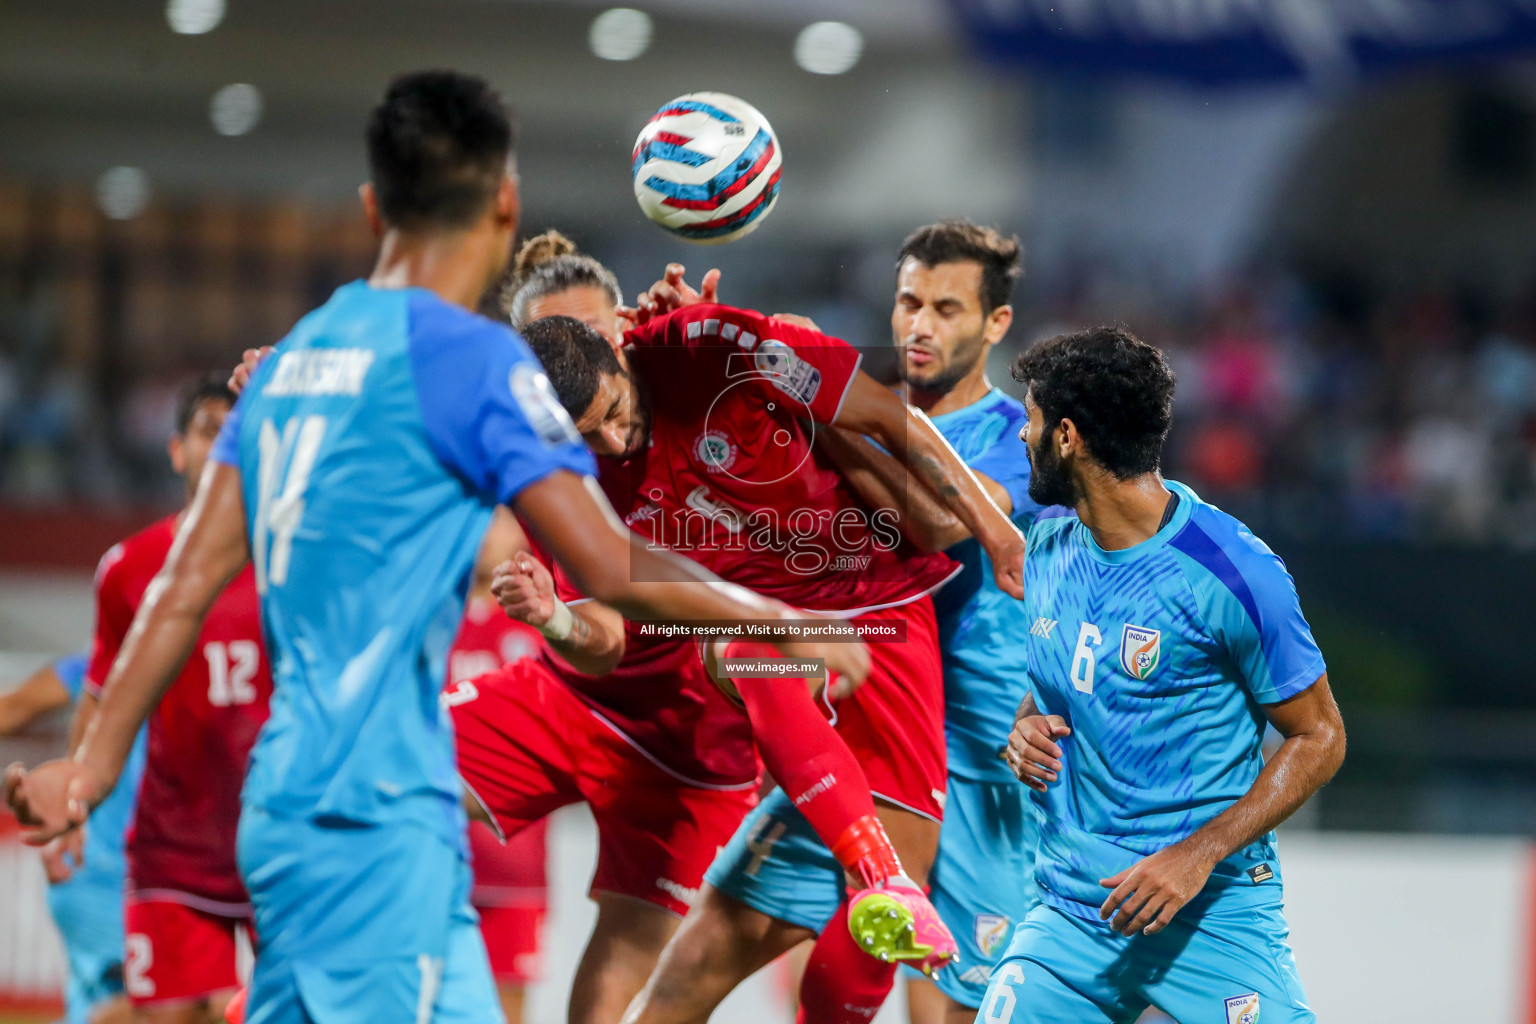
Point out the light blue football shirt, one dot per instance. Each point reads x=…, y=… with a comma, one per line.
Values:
x=1159, y=657
x=106, y=833
x=372, y=447
x=983, y=632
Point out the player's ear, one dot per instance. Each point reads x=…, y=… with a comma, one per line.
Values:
x=178, y=457
x=998, y=322
x=508, y=203
x=1067, y=439
x=370, y=200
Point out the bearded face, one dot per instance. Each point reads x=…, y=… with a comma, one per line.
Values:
x=1049, y=482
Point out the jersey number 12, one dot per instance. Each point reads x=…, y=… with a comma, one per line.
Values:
x=283, y=467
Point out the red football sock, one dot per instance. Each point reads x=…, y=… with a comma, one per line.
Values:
x=842, y=983
x=815, y=768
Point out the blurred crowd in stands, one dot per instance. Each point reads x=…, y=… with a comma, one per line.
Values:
x=1310, y=411
x=1320, y=413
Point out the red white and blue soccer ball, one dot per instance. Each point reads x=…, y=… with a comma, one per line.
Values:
x=706, y=167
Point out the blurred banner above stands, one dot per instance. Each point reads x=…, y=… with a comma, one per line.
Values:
x=1226, y=42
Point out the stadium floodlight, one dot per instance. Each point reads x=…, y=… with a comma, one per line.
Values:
x=235, y=109
x=828, y=47
x=194, y=17
x=620, y=33
x=123, y=192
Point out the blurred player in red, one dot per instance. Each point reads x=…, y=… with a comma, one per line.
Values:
x=509, y=892
x=721, y=467
x=184, y=899
x=624, y=722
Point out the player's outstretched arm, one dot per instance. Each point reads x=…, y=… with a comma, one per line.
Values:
x=885, y=483
x=1148, y=894
x=874, y=411
x=588, y=636
x=210, y=548
x=571, y=519
x=38, y=694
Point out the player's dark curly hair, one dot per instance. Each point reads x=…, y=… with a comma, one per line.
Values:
x=437, y=149
x=960, y=241
x=209, y=387
x=575, y=358
x=1114, y=387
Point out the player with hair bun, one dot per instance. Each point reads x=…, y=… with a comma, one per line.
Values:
x=605, y=391
x=550, y=277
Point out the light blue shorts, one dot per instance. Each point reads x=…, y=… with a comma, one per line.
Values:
x=776, y=864
x=983, y=878
x=362, y=924
x=89, y=915
x=1228, y=965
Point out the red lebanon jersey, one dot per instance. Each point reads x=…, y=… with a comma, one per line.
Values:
x=182, y=842
x=731, y=477
x=488, y=640
x=659, y=699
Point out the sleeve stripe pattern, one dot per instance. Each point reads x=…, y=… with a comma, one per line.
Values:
x=1200, y=546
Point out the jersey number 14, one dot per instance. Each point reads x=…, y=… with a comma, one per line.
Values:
x=282, y=475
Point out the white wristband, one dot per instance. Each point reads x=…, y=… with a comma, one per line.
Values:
x=560, y=623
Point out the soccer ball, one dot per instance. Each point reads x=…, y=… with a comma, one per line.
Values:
x=706, y=167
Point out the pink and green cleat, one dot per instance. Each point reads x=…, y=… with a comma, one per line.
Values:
x=894, y=921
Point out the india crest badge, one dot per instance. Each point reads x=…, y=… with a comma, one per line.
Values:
x=991, y=933
x=1140, y=649
x=1243, y=1009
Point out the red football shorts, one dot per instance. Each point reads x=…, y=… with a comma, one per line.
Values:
x=894, y=723
x=176, y=953
x=511, y=897
x=529, y=746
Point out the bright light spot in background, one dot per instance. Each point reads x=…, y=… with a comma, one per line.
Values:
x=828, y=47
x=123, y=192
x=194, y=17
x=622, y=33
x=235, y=109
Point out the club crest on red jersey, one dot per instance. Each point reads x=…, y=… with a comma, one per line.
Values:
x=1140, y=650
x=716, y=450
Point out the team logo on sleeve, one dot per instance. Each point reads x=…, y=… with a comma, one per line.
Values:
x=1140, y=649
x=1243, y=1009
x=787, y=371
x=991, y=933
x=534, y=395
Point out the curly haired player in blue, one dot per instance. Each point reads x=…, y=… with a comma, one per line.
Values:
x=1165, y=635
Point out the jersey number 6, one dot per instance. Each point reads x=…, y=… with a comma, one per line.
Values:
x=1082, y=659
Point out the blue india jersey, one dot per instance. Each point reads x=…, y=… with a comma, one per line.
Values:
x=1159, y=657
x=983, y=632
x=372, y=447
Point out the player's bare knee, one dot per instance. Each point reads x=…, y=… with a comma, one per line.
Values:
x=915, y=837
